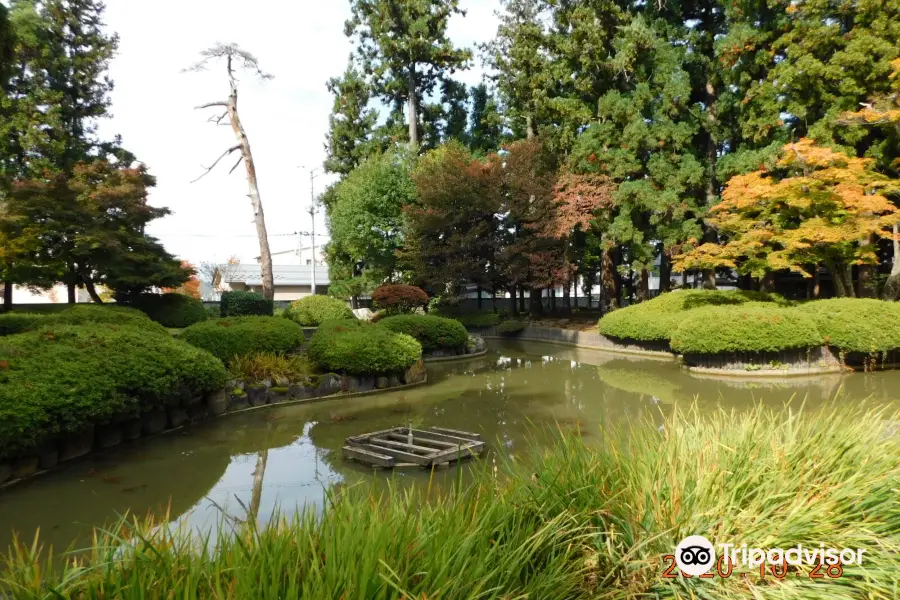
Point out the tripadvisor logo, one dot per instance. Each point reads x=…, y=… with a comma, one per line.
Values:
x=695, y=555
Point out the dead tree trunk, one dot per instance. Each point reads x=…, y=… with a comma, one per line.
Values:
x=256, y=495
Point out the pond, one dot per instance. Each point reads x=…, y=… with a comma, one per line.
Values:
x=520, y=393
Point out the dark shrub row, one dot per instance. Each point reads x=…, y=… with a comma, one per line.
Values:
x=77, y=314
x=60, y=379
x=314, y=310
x=359, y=348
x=243, y=303
x=239, y=336
x=171, y=310
x=433, y=333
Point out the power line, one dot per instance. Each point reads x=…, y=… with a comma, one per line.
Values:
x=232, y=235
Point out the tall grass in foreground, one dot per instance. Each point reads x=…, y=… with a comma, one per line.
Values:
x=577, y=522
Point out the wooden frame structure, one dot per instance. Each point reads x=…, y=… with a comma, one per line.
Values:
x=406, y=447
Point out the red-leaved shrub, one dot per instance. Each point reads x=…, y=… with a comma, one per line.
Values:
x=399, y=299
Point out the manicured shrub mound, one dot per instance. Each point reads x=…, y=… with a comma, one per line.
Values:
x=399, y=299
x=359, y=348
x=656, y=320
x=510, y=327
x=475, y=319
x=61, y=378
x=240, y=336
x=242, y=303
x=78, y=314
x=856, y=324
x=754, y=328
x=434, y=333
x=313, y=310
x=172, y=310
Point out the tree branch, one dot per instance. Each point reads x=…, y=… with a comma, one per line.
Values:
x=210, y=104
x=213, y=166
x=236, y=164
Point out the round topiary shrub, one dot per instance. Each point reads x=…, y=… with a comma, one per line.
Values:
x=78, y=314
x=399, y=299
x=172, y=309
x=358, y=348
x=434, y=333
x=313, y=310
x=856, y=324
x=718, y=330
x=510, y=327
x=240, y=336
x=655, y=320
x=242, y=303
x=60, y=379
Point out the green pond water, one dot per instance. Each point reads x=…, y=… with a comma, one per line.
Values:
x=520, y=393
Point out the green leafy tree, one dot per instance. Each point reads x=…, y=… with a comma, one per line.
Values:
x=404, y=49
x=351, y=123
x=485, y=121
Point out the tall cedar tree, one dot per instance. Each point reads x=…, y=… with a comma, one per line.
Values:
x=351, y=124
x=485, y=121
x=404, y=48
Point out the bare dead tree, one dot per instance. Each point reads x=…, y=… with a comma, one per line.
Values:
x=236, y=58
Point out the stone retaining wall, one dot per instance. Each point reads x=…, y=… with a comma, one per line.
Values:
x=585, y=339
x=236, y=396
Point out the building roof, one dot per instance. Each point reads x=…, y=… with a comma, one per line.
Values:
x=283, y=274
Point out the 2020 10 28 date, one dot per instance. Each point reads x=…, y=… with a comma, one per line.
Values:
x=725, y=568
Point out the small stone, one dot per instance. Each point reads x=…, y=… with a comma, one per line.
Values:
x=257, y=394
x=415, y=374
x=329, y=384
x=177, y=417
x=25, y=467
x=154, y=422
x=131, y=429
x=357, y=383
x=300, y=391
x=277, y=395
x=109, y=436
x=48, y=457
x=197, y=411
x=217, y=402
x=235, y=384
x=382, y=382
x=77, y=445
x=394, y=381
x=238, y=400
x=5, y=472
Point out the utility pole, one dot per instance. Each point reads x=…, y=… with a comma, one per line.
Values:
x=312, y=230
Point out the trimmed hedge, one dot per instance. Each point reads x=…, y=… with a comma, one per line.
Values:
x=240, y=336
x=856, y=324
x=313, y=310
x=754, y=328
x=243, y=303
x=399, y=299
x=77, y=314
x=434, y=333
x=172, y=309
x=358, y=348
x=475, y=319
x=60, y=379
x=656, y=320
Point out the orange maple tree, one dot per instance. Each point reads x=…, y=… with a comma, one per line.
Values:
x=814, y=208
x=191, y=287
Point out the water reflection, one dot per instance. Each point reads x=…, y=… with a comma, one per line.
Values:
x=289, y=456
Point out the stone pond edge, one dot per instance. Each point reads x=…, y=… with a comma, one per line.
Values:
x=208, y=400
x=580, y=339
x=441, y=359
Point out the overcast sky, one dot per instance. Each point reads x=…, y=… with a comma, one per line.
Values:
x=301, y=42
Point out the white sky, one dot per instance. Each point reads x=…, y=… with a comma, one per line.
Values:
x=302, y=43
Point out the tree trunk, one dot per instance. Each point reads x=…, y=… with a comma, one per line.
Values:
x=92, y=291
x=7, y=296
x=412, y=108
x=575, y=291
x=521, y=300
x=609, y=290
x=892, y=285
x=265, y=256
x=643, y=291
x=553, y=299
x=354, y=302
x=567, y=297
x=256, y=495
x=529, y=127
x=866, y=275
x=513, y=306
x=665, y=271
x=534, y=303
x=767, y=283
x=843, y=280
x=684, y=279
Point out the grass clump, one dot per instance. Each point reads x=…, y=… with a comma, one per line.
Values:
x=172, y=309
x=243, y=303
x=746, y=328
x=572, y=522
x=655, y=320
x=856, y=324
x=61, y=378
x=358, y=348
x=433, y=333
x=281, y=369
x=314, y=310
x=240, y=336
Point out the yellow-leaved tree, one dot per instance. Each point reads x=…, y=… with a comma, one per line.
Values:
x=815, y=207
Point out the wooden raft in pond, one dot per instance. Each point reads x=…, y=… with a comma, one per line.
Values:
x=404, y=446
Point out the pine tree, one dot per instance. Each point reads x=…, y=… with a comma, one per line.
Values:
x=485, y=121
x=351, y=123
x=404, y=49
